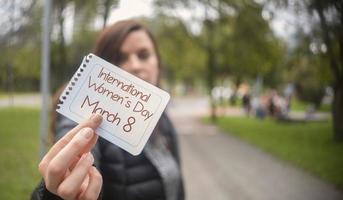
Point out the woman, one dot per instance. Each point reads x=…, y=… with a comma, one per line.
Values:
x=154, y=174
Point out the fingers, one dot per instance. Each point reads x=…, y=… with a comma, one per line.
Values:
x=94, y=186
x=63, y=163
x=71, y=186
x=64, y=159
x=93, y=122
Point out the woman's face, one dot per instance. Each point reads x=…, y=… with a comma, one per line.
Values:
x=138, y=56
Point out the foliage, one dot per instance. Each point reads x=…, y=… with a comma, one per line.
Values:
x=325, y=19
x=21, y=41
x=20, y=55
x=234, y=34
x=236, y=40
x=66, y=55
x=178, y=51
x=305, y=69
x=256, y=51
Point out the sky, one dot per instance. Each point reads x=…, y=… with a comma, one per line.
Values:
x=282, y=22
x=131, y=8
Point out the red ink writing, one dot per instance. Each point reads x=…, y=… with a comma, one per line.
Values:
x=128, y=127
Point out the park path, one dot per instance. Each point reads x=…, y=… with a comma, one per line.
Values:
x=219, y=166
x=22, y=100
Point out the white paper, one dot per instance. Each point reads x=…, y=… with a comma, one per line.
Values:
x=130, y=106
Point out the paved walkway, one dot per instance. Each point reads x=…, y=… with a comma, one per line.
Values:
x=219, y=166
x=25, y=100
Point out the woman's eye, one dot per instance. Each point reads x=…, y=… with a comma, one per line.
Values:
x=143, y=55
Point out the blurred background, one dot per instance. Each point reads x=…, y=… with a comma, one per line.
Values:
x=256, y=86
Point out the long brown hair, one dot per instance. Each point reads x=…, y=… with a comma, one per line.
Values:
x=108, y=46
x=111, y=39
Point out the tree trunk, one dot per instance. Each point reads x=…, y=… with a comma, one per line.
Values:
x=211, y=65
x=336, y=63
x=233, y=99
x=107, y=5
x=337, y=112
x=62, y=61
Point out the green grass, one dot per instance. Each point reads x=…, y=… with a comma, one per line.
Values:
x=298, y=105
x=19, y=152
x=308, y=145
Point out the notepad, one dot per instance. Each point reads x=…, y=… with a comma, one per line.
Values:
x=130, y=107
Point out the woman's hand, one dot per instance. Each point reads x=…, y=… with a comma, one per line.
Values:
x=67, y=168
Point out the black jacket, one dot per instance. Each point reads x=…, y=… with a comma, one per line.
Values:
x=125, y=177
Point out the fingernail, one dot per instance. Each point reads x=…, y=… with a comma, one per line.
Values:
x=97, y=118
x=87, y=133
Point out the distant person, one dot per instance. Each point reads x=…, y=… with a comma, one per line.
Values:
x=271, y=104
x=233, y=98
x=246, y=101
x=311, y=110
x=257, y=106
x=117, y=175
x=288, y=93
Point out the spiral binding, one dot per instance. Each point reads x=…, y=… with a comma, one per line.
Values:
x=72, y=83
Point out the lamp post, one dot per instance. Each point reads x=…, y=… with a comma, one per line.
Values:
x=45, y=77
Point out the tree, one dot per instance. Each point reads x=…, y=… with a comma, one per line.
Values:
x=19, y=58
x=328, y=16
x=19, y=40
x=66, y=55
x=235, y=37
x=308, y=69
x=105, y=6
x=332, y=35
x=178, y=50
x=254, y=50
